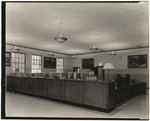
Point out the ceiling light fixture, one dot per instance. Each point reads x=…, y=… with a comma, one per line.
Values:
x=51, y=54
x=74, y=57
x=94, y=49
x=60, y=39
x=112, y=53
x=15, y=49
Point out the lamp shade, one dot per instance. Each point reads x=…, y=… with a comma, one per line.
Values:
x=108, y=66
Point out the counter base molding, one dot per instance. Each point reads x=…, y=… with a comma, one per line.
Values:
x=88, y=94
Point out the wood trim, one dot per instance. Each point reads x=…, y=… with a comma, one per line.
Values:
x=112, y=50
x=37, y=49
x=76, y=53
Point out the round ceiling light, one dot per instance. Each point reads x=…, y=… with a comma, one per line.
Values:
x=51, y=54
x=94, y=49
x=60, y=39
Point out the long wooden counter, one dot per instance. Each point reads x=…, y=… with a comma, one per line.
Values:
x=95, y=95
x=89, y=94
x=131, y=90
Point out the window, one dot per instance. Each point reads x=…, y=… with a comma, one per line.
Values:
x=18, y=62
x=59, y=65
x=36, y=64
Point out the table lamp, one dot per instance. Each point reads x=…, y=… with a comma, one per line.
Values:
x=108, y=66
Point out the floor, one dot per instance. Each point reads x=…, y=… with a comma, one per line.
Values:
x=19, y=105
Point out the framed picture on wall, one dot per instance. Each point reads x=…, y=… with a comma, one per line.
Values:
x=137, y=61
x=49, y=62
x=8, y=59
x=88, y=63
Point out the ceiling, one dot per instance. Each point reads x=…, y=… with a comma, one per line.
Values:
x=108, y=26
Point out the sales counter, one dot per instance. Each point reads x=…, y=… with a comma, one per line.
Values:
x=90, y=94
x=97, y=95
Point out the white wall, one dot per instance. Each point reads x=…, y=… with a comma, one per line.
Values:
x=120, y=62
x=67, y=59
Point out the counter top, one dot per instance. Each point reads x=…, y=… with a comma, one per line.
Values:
x=78, y=80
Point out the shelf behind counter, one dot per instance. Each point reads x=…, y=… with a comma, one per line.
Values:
x=95, y=95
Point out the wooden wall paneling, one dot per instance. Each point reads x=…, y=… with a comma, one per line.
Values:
x=24, y=85
x=49, y=88
x=95, y=94
x=10, y=83
x=110, y=95
x=42, y=87
x=128, y=91
x=35, y=86
x=90, y=93
x=74, y=91
x=57, y=89
x=18, y=83
x=30, y=86
x=39, y=87
x=142, y=88
x=45, y=87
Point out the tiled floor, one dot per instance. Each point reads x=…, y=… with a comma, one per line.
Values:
x=19, y=105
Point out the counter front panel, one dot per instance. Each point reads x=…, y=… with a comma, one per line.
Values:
x=92, y=94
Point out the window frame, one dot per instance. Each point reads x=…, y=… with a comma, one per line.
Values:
x=56, y=64
x=41, y=61
x=24, y=59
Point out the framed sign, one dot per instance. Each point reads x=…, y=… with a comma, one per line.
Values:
x=8, y=59
x=88, y=63
x=49, y=62
x=137, y=61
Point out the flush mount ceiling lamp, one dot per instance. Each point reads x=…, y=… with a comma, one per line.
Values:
x=112, y=53
x=94, y=49
x=15, y=49
x=51, y=54
x=74, y=57
x=60, y=39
